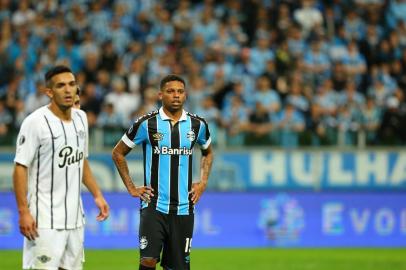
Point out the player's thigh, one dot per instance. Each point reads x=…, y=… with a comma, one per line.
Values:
x=46, y=251
x=176, y=254
x=152, y=233
x=73, y=256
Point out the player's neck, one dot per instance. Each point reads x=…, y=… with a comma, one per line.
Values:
x=173, y=115
x=62, y=113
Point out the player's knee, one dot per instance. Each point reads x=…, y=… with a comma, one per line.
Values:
x=150, y=263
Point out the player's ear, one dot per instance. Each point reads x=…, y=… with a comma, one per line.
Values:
x=49, y=92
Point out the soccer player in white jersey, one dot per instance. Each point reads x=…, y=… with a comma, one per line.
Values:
x=50, y=165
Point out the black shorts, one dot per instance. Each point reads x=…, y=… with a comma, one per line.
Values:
x=169, y=233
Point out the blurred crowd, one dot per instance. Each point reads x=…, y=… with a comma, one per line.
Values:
x=262, y=72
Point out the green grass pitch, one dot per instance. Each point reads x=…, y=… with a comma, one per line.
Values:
x=258, y=259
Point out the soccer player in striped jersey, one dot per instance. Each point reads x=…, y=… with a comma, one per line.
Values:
x=168, y=195
x=50, y=165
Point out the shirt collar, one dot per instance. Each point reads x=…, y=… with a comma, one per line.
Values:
x=164, y=116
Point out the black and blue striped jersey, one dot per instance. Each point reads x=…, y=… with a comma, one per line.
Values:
x=168, y=154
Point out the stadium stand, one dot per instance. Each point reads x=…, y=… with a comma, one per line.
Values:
x=263, y=72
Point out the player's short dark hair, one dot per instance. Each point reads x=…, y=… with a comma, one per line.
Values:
x=171, y=78
x=55, y=71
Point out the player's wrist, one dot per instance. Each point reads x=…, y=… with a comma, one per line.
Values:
x=23, y=211
x=131, y=189
x=98, y=195
x=203, y=184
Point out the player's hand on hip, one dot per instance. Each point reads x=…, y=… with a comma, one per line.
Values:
x=28, y=226
x=197, y=191
x=103, y=207
x=143, y=192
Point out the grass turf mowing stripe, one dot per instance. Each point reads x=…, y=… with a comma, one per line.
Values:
x=259, y=259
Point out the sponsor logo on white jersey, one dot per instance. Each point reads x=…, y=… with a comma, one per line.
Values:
x=68, y=157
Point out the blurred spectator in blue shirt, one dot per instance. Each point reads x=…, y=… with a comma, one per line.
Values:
x=207, y=26
x=297, y=99
x=211, y=113
x=267, y=96
x=218, y=64
x=379, y=93
x=289, y=123
x=296, y=42
x=37, y=99
x=161, y=26
x=354, y=62
x=326, y=98
x=396, y=12
x=112, y=123
x=99, y=18
x=261, y=54
x=235, y=122
x=197, y=91
x=350, y=96
x=371, y=120
x=348, y=125
x=317, y=63
x=124, y=103
x=354, y=25
x=317, y=126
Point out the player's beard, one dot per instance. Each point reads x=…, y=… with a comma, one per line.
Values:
x=64, y=106
x=174, y=107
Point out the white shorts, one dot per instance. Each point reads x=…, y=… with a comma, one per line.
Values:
x=55, y=249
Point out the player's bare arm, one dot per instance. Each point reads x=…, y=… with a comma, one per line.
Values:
x=91, y=184
x=119, y=152
x=205, y=167
x=28, y=226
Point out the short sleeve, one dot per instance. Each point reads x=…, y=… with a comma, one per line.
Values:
x=27, y=142
x=204, y=138
x=136, y=134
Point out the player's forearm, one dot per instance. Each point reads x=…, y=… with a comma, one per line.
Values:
x=122, y=168
x=89, y=181
x=205, y=166
x=20, y=187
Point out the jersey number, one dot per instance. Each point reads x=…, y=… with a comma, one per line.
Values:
x=188, y=244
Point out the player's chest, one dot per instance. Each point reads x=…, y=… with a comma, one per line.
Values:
x=179, y=135
x=63, y=137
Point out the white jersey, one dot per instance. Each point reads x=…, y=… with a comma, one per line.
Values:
x=53, y=151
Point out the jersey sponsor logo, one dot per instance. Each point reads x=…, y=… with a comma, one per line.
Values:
x=190, y=135
x=21, y=140
x=143, y=242
x=69, y=157
x=131, y=128
x=81, y=134
x=44, y=258
x=164, y=150
x=158, y=136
